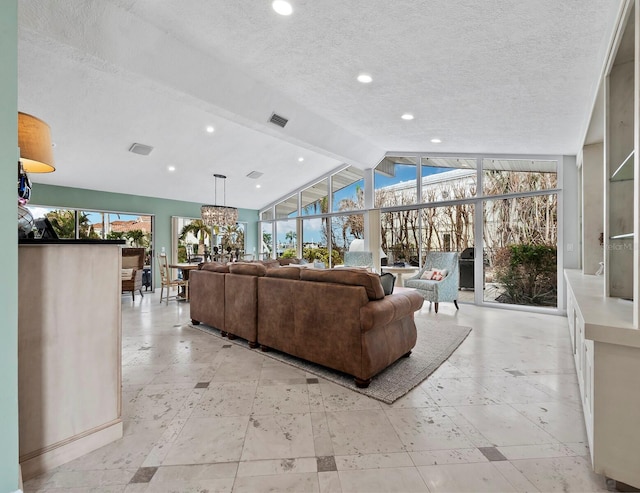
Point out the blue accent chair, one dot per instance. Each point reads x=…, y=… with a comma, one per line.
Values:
x=437, y=291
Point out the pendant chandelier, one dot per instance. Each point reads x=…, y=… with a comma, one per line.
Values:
x=219, y=215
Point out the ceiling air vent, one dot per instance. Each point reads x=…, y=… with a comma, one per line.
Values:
x=255, y=174
x=141, y=149
x=281, y=121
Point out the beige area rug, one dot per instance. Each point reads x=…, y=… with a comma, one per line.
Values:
x=436, y=342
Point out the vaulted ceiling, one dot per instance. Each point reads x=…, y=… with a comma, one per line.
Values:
x=496, y=76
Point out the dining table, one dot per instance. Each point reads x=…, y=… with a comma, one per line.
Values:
x=185, y=267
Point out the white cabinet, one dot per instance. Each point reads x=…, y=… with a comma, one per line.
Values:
x=603, y=310
x=607, y=356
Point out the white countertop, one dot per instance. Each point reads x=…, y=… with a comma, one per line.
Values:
x=606, y=319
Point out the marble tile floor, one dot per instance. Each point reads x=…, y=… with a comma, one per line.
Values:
x=202, y=415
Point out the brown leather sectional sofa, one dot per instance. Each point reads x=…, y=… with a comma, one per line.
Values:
x=339, y=318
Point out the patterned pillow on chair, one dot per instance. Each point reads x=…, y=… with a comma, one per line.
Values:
x=439, y=274
x=434, y=274
x=427, y=275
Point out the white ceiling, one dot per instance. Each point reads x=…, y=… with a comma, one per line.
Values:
x=495, y=76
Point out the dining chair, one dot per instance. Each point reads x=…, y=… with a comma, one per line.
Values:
x=132, y=270
x=167, y=282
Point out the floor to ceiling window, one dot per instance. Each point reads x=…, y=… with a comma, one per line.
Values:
x=344, y=229
x=400, y=236
x=447, y=178
x=395, y=182
x=520, y=229
x=516, y=253
x=286, y=239
x=322, y=214
x=498, y=213
x=266, y=241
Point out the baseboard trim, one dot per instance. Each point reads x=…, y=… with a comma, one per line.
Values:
x=36, y=463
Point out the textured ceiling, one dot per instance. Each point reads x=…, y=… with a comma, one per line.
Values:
x=494, y=76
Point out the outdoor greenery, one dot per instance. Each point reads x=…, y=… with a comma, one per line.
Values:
x=289, y=253
x=226, y=238
x=198, y=229
x=64, y=224
x=232, y=237
x=115, y=235
x=137, y=238
x=321, y=254
x=528, y=274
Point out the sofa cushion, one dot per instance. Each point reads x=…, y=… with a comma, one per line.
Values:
x=248, y=269
x=352, y=277
x=270, y=263
x=127, y=274
x=215, y=267
x=288, y=261
x=286, y=272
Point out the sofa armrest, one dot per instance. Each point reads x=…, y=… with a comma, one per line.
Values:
x=382, y=312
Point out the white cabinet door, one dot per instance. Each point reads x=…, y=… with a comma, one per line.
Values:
x=588, y=389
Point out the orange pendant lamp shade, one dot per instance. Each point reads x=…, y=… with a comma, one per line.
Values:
x=34, y=140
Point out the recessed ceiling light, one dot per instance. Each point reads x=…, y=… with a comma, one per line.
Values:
x=364, y=78
x=407, y=116
x=258, y=186
x=282, y=7
x=300, y=159
x=436, y=140
x=210, y=129
x=171, y=168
